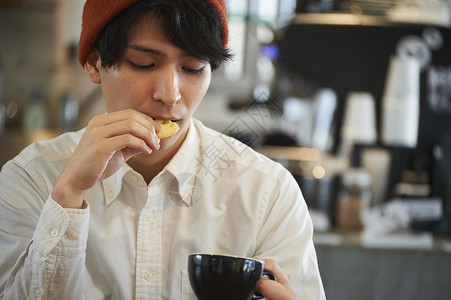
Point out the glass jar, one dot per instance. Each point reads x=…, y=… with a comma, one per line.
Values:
x=354, y=198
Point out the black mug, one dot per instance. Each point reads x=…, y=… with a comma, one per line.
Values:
x=224, y=277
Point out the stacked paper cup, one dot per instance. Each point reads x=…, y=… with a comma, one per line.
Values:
x=400, y=103
x=359, y=124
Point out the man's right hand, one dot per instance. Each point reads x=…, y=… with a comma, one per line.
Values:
x=108, y=142
x=275, y=290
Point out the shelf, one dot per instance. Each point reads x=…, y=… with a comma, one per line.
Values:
x=338, y=237
x=360, y=19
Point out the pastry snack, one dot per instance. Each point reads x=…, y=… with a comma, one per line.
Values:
x=168, y=128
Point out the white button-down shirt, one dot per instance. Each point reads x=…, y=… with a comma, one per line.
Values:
x=133, y=240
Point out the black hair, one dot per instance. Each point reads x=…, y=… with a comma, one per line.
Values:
x=191, y=25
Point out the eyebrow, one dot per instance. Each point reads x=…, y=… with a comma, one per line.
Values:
x=146, y=49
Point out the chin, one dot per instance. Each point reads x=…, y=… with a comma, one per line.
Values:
x=169, y=142
x=175, y=140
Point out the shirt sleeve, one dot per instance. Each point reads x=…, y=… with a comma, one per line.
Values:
x=286, y=236
x=43, y=245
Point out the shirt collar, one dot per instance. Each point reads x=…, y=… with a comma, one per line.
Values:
x=184, y=167
x=112, y=185
x=182, y=170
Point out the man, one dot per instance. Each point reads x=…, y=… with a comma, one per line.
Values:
x=112, y=211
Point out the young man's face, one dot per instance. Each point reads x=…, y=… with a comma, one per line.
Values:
x=156, y=78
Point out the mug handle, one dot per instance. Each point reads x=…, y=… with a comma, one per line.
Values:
x=270, y=276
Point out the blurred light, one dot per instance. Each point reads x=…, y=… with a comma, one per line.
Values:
x=270, y=51
x=433, y=38
x=318, y=172
x=264, y=34
x=261, y=92
x=437, y=151
x=267, y=9
x=265, y=69
x=293, y=108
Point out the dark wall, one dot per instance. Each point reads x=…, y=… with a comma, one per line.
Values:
x=348, y=58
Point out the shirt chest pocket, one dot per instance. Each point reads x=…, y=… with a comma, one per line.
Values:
x=187, y=291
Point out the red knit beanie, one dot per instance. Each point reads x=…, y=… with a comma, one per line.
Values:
x=97, y=14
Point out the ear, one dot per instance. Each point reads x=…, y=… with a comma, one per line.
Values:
x=92, y=67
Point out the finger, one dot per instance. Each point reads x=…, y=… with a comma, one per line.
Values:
x=273, y=267
x=142, y=118
x=129, y=153
x=121, y=142
x=113, y=117
x=273, y=290
x=131, y=126
x=107, y=148
x=117, y=160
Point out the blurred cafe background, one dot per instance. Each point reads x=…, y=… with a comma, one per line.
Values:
x=353, y=97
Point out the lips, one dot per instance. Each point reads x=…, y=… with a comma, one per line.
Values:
x=166, y=119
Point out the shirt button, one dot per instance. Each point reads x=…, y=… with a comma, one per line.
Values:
x=148, y=275
x=110, y=195
x=73, y=235
x=134, y=178
x=149, y=217
x=38, y=292
x=54, y=232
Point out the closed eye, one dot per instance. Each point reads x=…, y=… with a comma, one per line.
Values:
x=141, y=67
x=194, y=71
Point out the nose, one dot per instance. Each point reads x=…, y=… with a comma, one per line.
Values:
x=167, y=87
